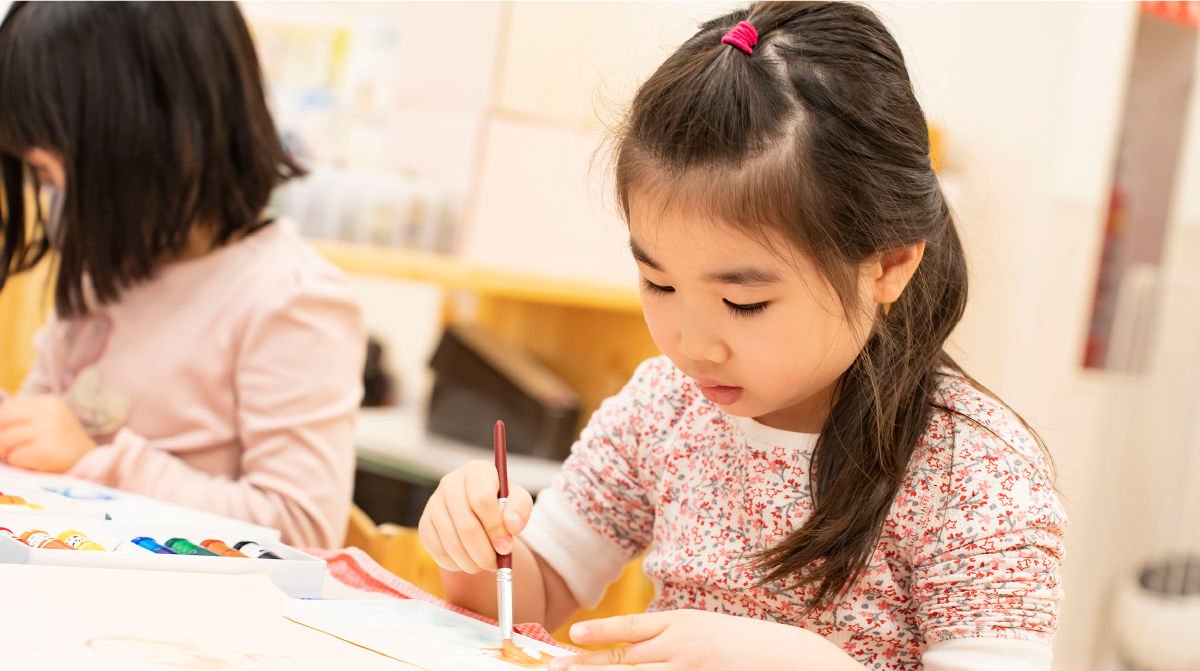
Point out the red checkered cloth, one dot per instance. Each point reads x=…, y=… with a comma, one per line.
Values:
x=354, y=568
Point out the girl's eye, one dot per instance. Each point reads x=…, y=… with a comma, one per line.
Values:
x=656, y=289
x=746, y=310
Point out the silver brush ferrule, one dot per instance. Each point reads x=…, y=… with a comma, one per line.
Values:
x=504, y=596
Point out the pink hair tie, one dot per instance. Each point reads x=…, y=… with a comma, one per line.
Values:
x=743, y=36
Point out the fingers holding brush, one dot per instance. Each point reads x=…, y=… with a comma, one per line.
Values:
x=440, y=535
x=480, y=484
x=462, y=526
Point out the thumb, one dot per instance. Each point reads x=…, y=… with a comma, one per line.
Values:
x=517, y=509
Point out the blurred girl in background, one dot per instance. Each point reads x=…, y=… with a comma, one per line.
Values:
x=198, y=352
x=814, y=482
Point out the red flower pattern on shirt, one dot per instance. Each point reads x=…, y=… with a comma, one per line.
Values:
x=971, y=547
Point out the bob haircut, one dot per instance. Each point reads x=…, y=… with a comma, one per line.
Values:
x=158, y=114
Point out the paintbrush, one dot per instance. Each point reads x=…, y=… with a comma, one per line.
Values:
x=503, y=562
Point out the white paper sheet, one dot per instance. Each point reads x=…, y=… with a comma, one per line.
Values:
x=125, y=506
x=418, y=633
x=104, y=619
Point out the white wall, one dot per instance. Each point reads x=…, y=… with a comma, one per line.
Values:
x=1029, y=96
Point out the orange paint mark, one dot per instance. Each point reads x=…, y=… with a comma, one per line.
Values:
x=514, y=655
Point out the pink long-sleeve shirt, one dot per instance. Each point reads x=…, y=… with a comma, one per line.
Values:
x=227, y=383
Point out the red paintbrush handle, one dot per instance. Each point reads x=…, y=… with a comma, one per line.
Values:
x=502, y=561
x=501, y=459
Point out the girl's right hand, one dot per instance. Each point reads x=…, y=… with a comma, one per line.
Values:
x=462, y=526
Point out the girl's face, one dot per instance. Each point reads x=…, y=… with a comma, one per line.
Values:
x=764, y=336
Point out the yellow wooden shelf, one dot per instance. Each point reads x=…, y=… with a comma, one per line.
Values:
x=455, y=274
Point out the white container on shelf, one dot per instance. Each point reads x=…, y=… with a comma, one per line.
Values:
x=1157, y=628
x=298, y=574
x=52, y=505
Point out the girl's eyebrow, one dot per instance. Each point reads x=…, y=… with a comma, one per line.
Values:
x=641, y=256
x=743, y=276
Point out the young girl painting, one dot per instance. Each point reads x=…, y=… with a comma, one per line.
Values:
x=814, y=482
x=199, y=352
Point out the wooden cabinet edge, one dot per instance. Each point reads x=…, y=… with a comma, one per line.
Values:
x=455, y=274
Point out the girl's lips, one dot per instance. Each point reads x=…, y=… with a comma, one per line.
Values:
x=721, y=395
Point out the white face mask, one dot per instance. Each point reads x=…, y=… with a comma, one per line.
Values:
x=55, y=199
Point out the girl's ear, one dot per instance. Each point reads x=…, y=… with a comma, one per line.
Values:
x=893, y=269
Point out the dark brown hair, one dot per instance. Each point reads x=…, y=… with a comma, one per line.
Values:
x=157, y=110
x=817, y=135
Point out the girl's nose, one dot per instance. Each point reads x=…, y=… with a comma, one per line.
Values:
x=699, y=344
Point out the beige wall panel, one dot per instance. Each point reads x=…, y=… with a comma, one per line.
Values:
x=582, y=61
x=542, y=206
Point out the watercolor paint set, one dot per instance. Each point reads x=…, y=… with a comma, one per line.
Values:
x=20, y=498
x=98, y=543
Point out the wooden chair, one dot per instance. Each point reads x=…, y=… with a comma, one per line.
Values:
x=398, y=549
x=24, y=304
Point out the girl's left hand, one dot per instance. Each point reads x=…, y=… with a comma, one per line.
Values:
x=41, y=433
x=692, y=640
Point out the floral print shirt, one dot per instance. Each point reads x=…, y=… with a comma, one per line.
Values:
x=970, y=549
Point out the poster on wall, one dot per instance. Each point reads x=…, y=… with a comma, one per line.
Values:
x=333, y=84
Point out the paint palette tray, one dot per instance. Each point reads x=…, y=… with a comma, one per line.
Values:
x=299, y=575
x=42, y=503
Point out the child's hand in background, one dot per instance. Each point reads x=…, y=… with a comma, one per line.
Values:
x=462, y=527
x=41, y=433
x=695, y=640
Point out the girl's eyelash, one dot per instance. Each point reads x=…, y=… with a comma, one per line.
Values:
x=736, y=308
x=746, y=310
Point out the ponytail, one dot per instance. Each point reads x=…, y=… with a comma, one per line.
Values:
x=815, y=133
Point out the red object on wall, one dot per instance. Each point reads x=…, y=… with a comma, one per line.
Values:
x=1185, y=13
x=1104, y=301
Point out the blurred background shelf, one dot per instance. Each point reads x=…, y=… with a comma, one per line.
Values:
x=393, y=441
x=592, y=335
x=453, y=273
x=399, y=464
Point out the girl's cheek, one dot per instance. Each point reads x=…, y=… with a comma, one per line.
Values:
x=662, y=329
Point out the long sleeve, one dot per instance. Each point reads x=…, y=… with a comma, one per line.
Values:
x=989, y=543
x=297, y=383
x=599, y=515
x=987, y=654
